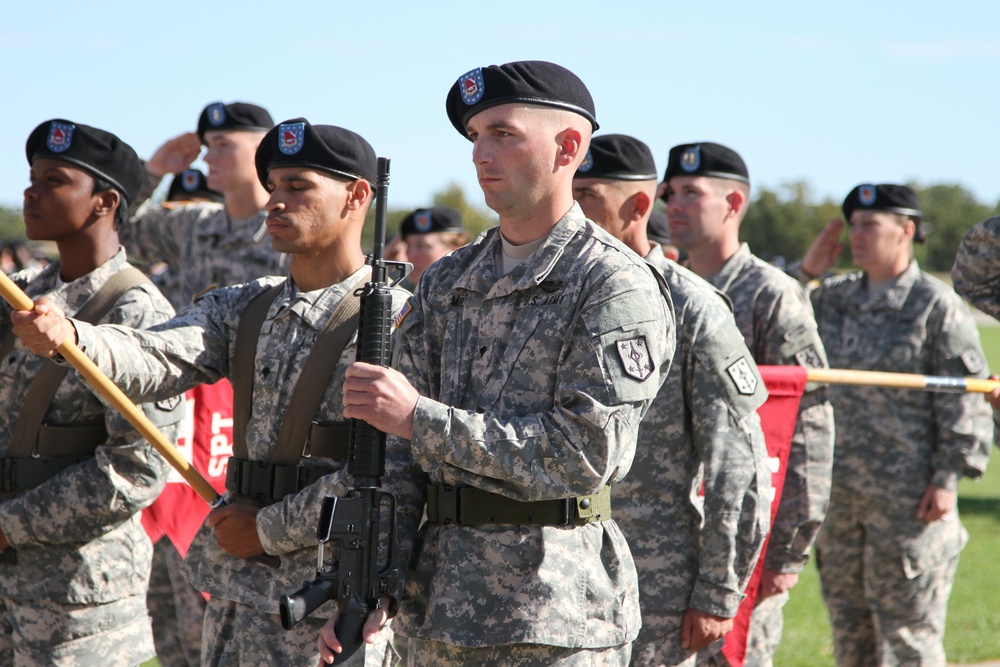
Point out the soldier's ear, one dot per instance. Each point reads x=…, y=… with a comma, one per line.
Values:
x=359, y=194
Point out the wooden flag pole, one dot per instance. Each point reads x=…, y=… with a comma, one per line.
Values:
x=957, y=385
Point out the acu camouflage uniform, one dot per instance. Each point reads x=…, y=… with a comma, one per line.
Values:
x=200, y=245
x=774, y=315
x=976, y=276
x=242, y=625
x=77, y=593
x=528, y=390
x=703, y=427
x=886, y=574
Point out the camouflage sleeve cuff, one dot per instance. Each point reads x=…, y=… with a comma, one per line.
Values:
x=431, y=422
x=271, y=531
x=715, y=600
x=946, y=479
x=784, y=562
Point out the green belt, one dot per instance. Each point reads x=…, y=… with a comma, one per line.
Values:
x=262, y=483
x=469, y=506
x=24, y=473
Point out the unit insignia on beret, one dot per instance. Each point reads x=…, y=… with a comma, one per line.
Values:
x=588, y=162
x=291, y=137
x=471, y=86
x=60, y=137
x=691, y=159
x=216, y=114
x=866, y=195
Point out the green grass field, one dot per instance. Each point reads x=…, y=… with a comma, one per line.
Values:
x=973, y=630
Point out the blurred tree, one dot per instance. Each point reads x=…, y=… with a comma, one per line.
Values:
x=11, y=224
x=949, y=211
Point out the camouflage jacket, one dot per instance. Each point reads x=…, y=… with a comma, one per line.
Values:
x=976, y=272
x=893, y=443
x=201, y=246
x=774, y=315
x=532, y=387
x=196, y=347
x=702, y=427
x=78, y=535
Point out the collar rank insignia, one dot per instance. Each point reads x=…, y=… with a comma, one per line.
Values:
x=60, y=137
x=291, y=137
x=471, y=86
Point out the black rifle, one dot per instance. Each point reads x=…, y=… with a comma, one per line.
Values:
x=354, y=577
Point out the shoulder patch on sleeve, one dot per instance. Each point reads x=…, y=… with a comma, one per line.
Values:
x=974, y=362
x=809, y=357
x=403, y=312
x=635, y=357
x=169, y=404
x=742, y=376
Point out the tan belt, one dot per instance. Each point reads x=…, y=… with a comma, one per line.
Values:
x=469, y=506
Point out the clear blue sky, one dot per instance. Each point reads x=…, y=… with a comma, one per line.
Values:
x=831, y=93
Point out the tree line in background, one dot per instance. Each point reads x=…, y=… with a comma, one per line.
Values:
x=780, y=223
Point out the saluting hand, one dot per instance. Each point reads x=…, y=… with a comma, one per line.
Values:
x=825, y=249
x=43, y=329
x=175, y=155
x=236, y=530
x=381, y=396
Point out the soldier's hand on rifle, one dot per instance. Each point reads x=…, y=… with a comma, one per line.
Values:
x=699, y=629
x=236, y=530
x=174, y=155
x=328, y=644
x=43, y=329
x=381, y=396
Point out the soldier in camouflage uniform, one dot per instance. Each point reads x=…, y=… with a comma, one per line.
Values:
x=976, y=276
x=707, y=189
x=321, y=183
x=70, y=504
x=890, y=545
x=694, y=555
x=206, y=244
x=526, y=361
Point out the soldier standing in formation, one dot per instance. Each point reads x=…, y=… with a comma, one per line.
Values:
x=74, y=558
x=694, y=557
x=889, y=547
x=707, y=187
x=260, y=335
x=525, y=363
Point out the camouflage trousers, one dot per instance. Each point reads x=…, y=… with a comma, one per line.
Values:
x=764, y=633
x=886, y=577
x=659, y=641
x=176, y=607
x=115, y=634
x=421, y=652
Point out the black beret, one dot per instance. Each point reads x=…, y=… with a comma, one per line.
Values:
x=658, y=229
x=100, y=153
x=526, y=82
x=883, y=197
x=427, y=220
x=296, y=143
x=191, y=183
x=618, y=157
x=233, y=116
x=706, y=159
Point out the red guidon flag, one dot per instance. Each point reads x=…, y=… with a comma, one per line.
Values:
x=785, y=385
x=205, y=438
